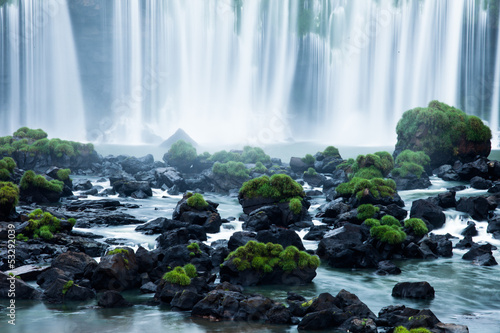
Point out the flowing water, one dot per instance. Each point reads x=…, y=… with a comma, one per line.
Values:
x=256, y=72
x=465, y=294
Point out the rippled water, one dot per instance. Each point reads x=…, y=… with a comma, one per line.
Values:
x=465, y=294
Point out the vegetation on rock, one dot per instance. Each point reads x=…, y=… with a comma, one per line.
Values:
x=67, y=286
x=7, y=166
x=181, y=275
x=29, y=178
x=35, y=141
x=181, y=152
x=331, y=151
x=248, y=155
x=360, y=187
x=402, y=329
x=9, y=195
x=265, y=257
x=366, y=211
x=196, y=201
x=231, y=169
x=42, y=224
x=417, y=225
x=443, y=132
x=411, y=162
x=280, y=187
x=387, y=230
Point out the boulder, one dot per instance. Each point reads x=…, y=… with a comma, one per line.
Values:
x=477, y=207
x=240, y=238
x=477, y=168
x=117, y=272
x=322, y=320
x=428, y=211
x=400, y=315
x=285, y=237
x=60, y=291
x=9, y=284
x=75, y=264
x=470, y=230
x=185, y=300
x=112, y=299
x=386, y=267
x=480, y=183
x=126, y=188
x=481, y=255
x=413, y=290
x=298, y=166
x=446, y=172
x=411, y=182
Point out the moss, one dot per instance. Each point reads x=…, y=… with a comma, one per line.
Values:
x=21, y=237
x=67, y=286
x=369, y=173
x=254, y=155
x=264, y=257
x=402, y=329
x=308, y=303
x=231, y=169
x=310, y=172
x=381, y=161
x=390, y=220
x=331, y=151
x=366, y=211
x=117, y=251
x=372, y=222
x=72, y=221
x=360, y=187
x=279, y=187
x=29, y=178
x=476, y=131
x=308, y=159
x=417, y=225
x=197, y=201
x=259, y=167
x=190, y=270
x=224, y=157
x=346, y=165
x=408, y=168
x=45, y=232
x=9, y=194
x=182, y=152
x=411, y=162
x=63, y=174
x=177, y=276
x=194, y=248
x=295, y=205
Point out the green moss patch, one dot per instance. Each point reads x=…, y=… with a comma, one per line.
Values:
x=387, y=230
x=181, y=275
x=29, y=179
x=360, y=187
x=265, y=257
x=197, y=201
x=279, y=187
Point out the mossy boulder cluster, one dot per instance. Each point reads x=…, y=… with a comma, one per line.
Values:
x=32, y=150
x=258, y=263
x=195, y=210
x=444, y=133
x=9, y=197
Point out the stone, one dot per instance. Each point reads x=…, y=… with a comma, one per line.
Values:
x=413, y=290
x=112, y=299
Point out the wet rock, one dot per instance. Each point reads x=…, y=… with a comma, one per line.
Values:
x=27, y=272
x=413, y=290
x=386, y=267
x=279, y=314
x=321, y=320
x=412, y=182
x=400, y=315
x=125, y=187
x=112, y=299
x=240, y=238
x=316, y=232
x=117, y=272
x=470, y=230
x=470, y=170
x=82, y=185
x=477, y=207
x=133, y=165
x=428, y=211
x=22, y=289
x=446, y=200
x=148, y=288
x=185, y=300
x=446, y=172
x=47, y=278
x=481, y=255
x=480, y=183
x=298, y=166
x=77, y=264
x=285, y=237
x=60, y=291
x=262, y=218
x=444, y=247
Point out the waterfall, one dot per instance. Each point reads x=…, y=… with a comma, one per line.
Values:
x=249, y=71
x=41, y=83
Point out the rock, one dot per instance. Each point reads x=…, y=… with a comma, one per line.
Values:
x=240, y=238
x=494, y=225
x=112, y=299
x=446, y=200
x=473, y=169
x=324, y=301
x=476, y=207
x=126, y=187
x=334, y=208
x=47, y=278
x=58, y=292
x=262, y=218
x=481, y=255
x=82, y=185
x=413, y=290
x=470, y=230
x=316, y=232
x=465, y=243
x=279, y=314
x=428, y=211
x=359, y=325
x=134, y=165
x=9, y=284
x=297, y=165
x=117, y=272
x=27, y=272
x=170, y=178
x=412, y=182
x=185, y=300
x=337, y=177
x=395, y=211
x=321, y=320
x=144, y=259
x=480, y=183
x=446, y=172
x=452, y=328
x=77, y=264
x=285, y=237
x=313, y=180
x=400, y=315
x=444, y=247
x=386, y=267
x=344, y=248
x=148, y=288
x=208, y=217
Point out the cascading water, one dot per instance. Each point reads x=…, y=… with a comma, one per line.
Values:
x=40, y=82
x=253, y=72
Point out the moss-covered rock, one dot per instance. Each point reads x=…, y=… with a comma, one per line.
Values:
x=45, y=225
x=444, y=133
x=258, y=263
x=9, y=197
x=36, y=188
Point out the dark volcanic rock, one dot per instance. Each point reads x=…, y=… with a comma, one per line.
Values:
x=285, y=237
x=413, y=290
x=477, y=207
x=428, y=211
x=480, y=183
x=22, y=289
x=386, y=267
x=112, y=299
x=117, y=272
